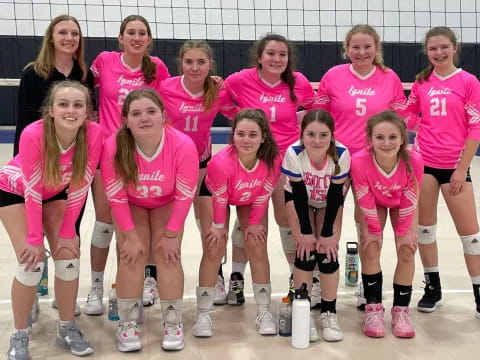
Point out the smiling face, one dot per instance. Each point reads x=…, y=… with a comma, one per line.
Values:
x=441, y=51
x=135, y=38
x=66, y=37
x=386, y=140
x=316, y=138
x=361, y=50
x=145, y=118
x=247, y=137
x=274, y=58
x=69, y=109
x=196, y=65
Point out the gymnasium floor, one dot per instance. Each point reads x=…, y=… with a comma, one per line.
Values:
x=449, y=333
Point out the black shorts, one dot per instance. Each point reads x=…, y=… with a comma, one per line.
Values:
x=204, y=190
x=7, y=198
x=443, y=175
x=203, y=164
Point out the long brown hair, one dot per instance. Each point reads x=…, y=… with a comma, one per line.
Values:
x=288, y=75
x=437, y=31
x=209, y=88
x=370, y=31
x=124, y=161
x=45, y=61
x=268, y=150
x=51, y=171
x=149, y=68
x=323, y=117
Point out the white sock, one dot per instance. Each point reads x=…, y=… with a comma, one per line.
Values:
x=239, y=267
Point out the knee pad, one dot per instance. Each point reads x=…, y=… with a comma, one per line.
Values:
x=471, y=244
x=306, y=265
x=237, y=236
x=67, y=270
x=427, y=234
x=325, y=266
x=29, y=278
x=102, y=235
x=288, y=242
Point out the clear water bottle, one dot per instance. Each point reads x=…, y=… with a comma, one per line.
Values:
x=42, y=287
x=113, y=305
x=352, y=263
x=301, y=318
x=285, y=317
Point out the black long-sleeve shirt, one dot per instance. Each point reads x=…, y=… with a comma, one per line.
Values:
x=34, y=89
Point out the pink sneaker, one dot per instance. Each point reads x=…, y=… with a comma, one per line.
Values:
x=374, y=325
x=401, y=323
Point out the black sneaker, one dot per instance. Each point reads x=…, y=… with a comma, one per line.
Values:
x=430, y=299
x=235, y=289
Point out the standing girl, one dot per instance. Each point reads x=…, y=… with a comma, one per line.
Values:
x=247, y=182
x=42, y=190
x=387, y=179
x=449, y=100
x=150, y=172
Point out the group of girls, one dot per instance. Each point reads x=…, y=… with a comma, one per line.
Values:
x=155, y=129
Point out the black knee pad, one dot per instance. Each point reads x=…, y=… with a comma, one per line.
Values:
x=306, y=265
x=326, y=267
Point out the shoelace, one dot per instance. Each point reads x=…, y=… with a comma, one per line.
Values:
x=128, y=325
x=20, y=342
x=171, y=328
x=374, y=317
x=236, y=286
x=264, y=315
x=403, y=318
x=331, y=321
x=204, y=315
x=93, y=294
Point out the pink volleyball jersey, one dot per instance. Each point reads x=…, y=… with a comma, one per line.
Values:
x=450, y=109
x=297, y=164
x=171, y=174
x=248, y=90
x=23, y=176
x=399, y=189
x=116, y=80
x=232, y=184
x=186, y=113
x=352, y=99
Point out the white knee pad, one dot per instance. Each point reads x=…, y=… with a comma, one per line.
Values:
x=67, y=270
x=102, y=235
x=29, y=278
x=471, y=244
x=288, y=242
x=237, y=236
x=426, y=234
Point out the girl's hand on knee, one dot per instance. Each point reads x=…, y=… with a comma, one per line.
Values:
x=409, y=240
x=215, y=235
x=132, y=248
x=70, y=244
x=31, y=255
x=305, y=244
x=328, y=246
x=171, y=249
x=257, y=232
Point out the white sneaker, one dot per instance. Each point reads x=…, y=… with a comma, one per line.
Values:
x=265, y=322
x=313, y=329
x=315, y=294
x=173, y=337
x=35, y=309
x=149, y=291
x=78, y=311
x=127, y=337
x=94, y=305
x=331, y=330
x=220, y=293
x=203, y=325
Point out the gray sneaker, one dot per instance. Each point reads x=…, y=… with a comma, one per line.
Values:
x=18, y=349
x=72, y=338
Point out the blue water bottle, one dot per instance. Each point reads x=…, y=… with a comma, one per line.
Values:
x=352, y=264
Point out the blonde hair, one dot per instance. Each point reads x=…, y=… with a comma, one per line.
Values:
x=51, y=171
x=370, y=31
x=149, y=69
x=209, y=87
x=44, y=63
x=124, y=161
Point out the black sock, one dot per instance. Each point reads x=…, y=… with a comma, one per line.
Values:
x=372, y=287
x=432, y=279
x=151, y=271
x=402, y=294
x=220, y=270
x=327, y=305
x=476, y=293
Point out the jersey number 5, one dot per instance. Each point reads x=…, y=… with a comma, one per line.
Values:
x=360, y=107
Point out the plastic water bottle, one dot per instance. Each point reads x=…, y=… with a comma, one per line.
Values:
x=113, y=305
x=42, y=287
x=301, y=318
x=351, y=264
x=285, y=317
